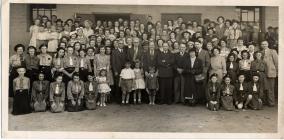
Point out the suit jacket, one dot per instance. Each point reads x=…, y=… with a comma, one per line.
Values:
x=180, y=61
x=149, y=60
x=205, y=58
x=118, y=60
x=196, y=69
x=130, y=54
x=270, y=58
x=165, y=64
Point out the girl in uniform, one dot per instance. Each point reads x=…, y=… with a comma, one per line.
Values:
x=213, y=93
x=227, y=94
x=232, y=67
x=21, y=87
x=32, y=64
x=91, y=92
x=16, y=60
x=255, y=93
x=45, y=61
x=90, y=57
x=75, y=94
x=242, y=91
x=84, y=65
x=57, y=94
x=245, y=64
x=57, y=62
x=139, y=82
x=70, y=64
x=40, y=91
x=103, y=86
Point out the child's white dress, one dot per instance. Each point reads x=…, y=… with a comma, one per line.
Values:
x=139, y=80
x=103, y=87
x=34, y=30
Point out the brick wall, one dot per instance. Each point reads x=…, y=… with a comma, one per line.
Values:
x=18, y=25
x=271, y=17
x=211, y=12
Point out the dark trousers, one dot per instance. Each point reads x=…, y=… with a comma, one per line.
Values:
x=166, y=90
x=270, y=91
x=179, y=89
x=116, y=94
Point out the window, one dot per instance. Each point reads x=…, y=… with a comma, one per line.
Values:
x=250, y=22
x=38, y=10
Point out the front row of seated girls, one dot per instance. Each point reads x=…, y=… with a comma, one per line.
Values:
x=242, y=95
x=82, y=95
x=46, y=95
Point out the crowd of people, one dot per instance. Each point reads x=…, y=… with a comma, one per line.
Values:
x=77, y=65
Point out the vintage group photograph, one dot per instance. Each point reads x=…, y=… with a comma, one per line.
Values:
x=143, y=68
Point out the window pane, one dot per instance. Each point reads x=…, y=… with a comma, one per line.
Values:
x=250, y=15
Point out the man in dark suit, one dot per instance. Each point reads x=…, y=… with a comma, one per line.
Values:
x=165, y=63
x=149, y=58
x=204, y=56
x=118, y=59
x=180, y=59
x=135, y=53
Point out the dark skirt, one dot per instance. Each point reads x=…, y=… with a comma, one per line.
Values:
x=12, y=76
x=21, y=103
x=66, y=78
x=166, y=90
x=90, y=101
x=40, y=104
x=47, y=72
x=83, y=73
x=77, y=107
x=227, y=103
x=241, y=96
x=255, y=104
x=57, y=106
x=190, y=88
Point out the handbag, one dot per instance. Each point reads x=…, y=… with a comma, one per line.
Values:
x=199, y=77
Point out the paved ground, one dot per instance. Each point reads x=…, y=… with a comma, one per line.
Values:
x=145, y=118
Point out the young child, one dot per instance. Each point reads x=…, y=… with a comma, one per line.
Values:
x=21, y=87
x=57, y=94
x=126, y=82
x=255, y=93
x=139, y=82
x=103, y=86
x=227, y=94
x=152, y=84
x=40, y=93
x=213, y=93
x=91, y=92
x=242, y=91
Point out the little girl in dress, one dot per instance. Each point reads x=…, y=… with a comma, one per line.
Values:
x=139, y=82
x=103, y=86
